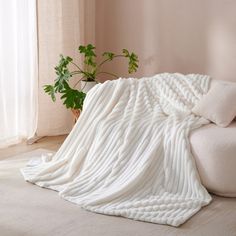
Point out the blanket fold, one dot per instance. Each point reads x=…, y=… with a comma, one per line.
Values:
x=129, y=154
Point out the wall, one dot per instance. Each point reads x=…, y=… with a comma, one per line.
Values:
x=187, y=36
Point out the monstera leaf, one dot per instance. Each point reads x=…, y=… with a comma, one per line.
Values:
x=73, y=98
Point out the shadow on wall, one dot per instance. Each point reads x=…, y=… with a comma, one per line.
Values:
x=186, y=36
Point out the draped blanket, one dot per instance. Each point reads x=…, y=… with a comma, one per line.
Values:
x=129, y=154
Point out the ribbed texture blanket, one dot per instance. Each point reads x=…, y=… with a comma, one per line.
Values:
x=129, y=154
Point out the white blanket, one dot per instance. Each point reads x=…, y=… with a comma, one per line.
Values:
x=128, y=154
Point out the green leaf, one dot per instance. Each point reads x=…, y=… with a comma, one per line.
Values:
x=125, y=52
x=109, y=55
x=89, y=54
x=73, y=98
x=133, y=60
x=69, y=59
x=62, y=72
x=49, y=89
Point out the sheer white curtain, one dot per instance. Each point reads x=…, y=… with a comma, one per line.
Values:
x=18, y=70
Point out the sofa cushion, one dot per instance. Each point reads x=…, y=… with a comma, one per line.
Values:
x=219, y=104
x=214, y=149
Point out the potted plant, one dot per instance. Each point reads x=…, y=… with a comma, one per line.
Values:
x=72, y=97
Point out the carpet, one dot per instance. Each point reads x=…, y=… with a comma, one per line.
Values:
x=32, y=211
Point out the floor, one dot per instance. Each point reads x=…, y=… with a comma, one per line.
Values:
x=51, y=143
x=27, y=210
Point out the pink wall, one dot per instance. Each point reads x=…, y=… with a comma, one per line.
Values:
x=187, y=36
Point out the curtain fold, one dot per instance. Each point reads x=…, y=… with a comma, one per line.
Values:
x=60, y=31
x=18, y=71
x=33, y=33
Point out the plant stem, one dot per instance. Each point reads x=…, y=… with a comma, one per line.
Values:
x=85, y=74
x=76, y=66
x=75, y=72
x=84, y=86
x=108, y=73
x=78, y=81
x=109, y=60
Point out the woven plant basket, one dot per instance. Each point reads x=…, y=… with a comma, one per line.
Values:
x=86, y=86
x=76, y=114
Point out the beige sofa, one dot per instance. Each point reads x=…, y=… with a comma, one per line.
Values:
x=214, y=150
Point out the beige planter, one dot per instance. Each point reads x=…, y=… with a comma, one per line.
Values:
x=87, y=85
